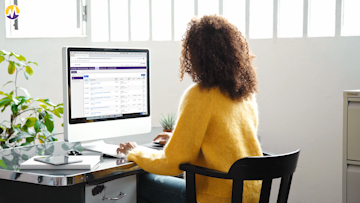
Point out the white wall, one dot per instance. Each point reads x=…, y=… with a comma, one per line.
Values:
x=300, y=99
x=300, y=105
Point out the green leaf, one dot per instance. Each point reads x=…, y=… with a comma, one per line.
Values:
x=26, y=75
x=11, y=67
x=30, y=139
x=57, y=113
x=6, y=84
x=16, y=129
x=24, y=128
x=21, y=98
x=38, y=125
x=2, y=59
x=5, y=101
x=52, y=139
x=20, y=57
x=7, y=162
x=21, y=135
x=24, y=107
x=25, y=144
x=4, y=108
x=2, y=164
x=14, y=109
x=30, y=121
x=46, y=101
x=43, y=106
x=41, y=115
x=42, y=138
x=61, y=110
x=29, y=70
x=33, y=62
x=49, y=122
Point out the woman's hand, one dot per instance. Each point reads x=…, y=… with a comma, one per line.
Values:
x=126, y=147
x=162, y=138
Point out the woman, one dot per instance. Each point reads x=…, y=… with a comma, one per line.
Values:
x=217, y=118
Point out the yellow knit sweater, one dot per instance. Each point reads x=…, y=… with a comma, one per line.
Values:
x=212, y=131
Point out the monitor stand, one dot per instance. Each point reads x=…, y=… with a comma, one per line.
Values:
x=102, y=147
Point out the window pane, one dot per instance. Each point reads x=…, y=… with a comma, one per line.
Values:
x=139, y=16
x=37, y=20
x=234, y=11
x=161, y=19
x=183, y=13
x=119, y=29
x=321, y=18
x=208, y=7
x=261, y=19
x=351, y=16
x=290, y=20
x=99, y=21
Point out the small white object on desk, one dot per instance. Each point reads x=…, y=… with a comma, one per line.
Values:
x=88, y=162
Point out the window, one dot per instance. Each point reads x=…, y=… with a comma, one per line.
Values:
x=165, y=20
x=321, y=18
x=290, y=18
x=350, y=18
x=38, y=18
x=234, y=11
x=161, y=20
x=99, y=21
x=208, y=7
x=139, y=20
x=261, y=19
x=119, y=20
x=183, y=13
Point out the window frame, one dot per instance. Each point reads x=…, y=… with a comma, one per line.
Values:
x=11, y=31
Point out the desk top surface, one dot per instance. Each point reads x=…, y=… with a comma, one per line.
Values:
x=10, y=160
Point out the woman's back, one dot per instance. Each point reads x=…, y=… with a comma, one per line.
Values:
x=230, y=135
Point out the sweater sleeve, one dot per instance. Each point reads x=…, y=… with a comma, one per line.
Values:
x=185, y=143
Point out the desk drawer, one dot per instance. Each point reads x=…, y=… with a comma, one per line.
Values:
x=112, y=189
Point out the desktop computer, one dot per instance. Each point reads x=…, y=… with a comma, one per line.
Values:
x=106, y=94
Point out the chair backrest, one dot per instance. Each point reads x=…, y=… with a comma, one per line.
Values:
x=265, y=168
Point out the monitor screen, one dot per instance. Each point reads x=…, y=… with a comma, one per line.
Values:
x=103, y=87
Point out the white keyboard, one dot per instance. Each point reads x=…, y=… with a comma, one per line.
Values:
x=102, y=147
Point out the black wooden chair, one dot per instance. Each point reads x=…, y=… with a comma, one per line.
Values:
x=265, y=168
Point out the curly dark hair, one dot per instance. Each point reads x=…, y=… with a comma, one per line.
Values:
x=216, y=54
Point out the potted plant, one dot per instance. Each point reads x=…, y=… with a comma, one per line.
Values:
x=31, y=119
x=168, y=122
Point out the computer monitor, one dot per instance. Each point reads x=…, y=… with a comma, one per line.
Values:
x=106, y=92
